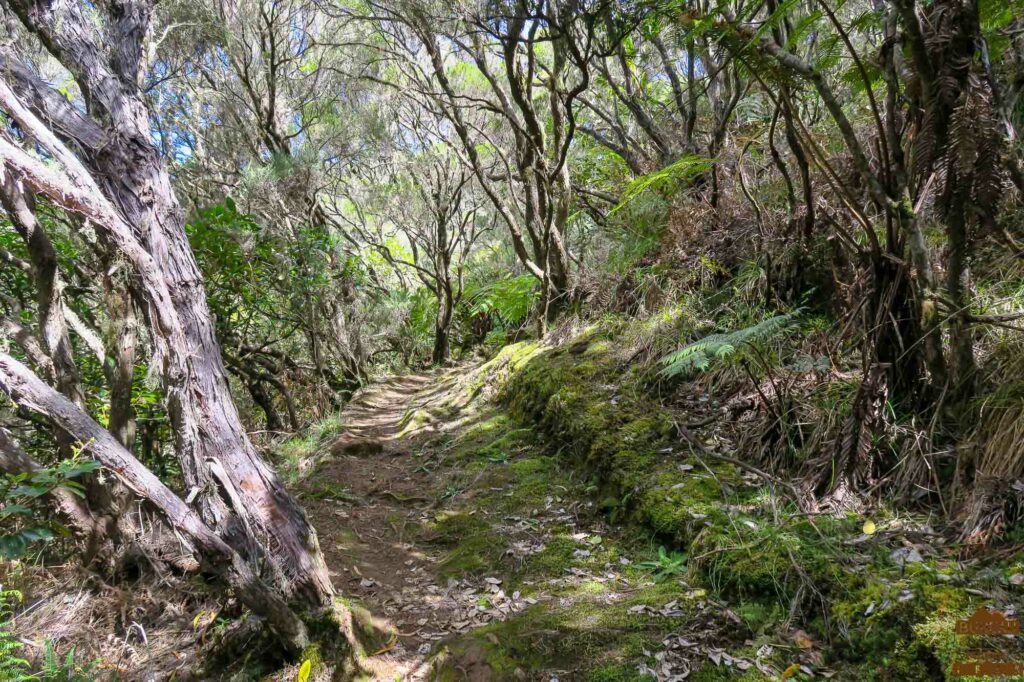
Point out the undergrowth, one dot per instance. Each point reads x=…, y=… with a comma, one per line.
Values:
x=53, y=667
x=705, y=523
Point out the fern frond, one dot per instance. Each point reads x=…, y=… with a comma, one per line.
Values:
x=666, y=179
x=699, y=355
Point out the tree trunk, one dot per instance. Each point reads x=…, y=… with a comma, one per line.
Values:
x=49, y=297
x=443, y=326
x=961, y=337
x=29, y=392
x=261, y=396
x=101, y=508
x=119, y=365
x=345, y=337
x=122, y=186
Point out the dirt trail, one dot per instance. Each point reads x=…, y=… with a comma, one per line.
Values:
x=395, y=503
x=367, y=502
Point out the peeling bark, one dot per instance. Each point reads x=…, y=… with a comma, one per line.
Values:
x=31, y=393
x=124, y=189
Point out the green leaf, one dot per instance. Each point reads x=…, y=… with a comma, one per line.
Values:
x=12, y=546
x=75, y=469
x=37, y=534
x=29, y=491
x=12, y=509
x=667, y=179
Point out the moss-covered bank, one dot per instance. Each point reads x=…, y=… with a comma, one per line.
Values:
x=872, y=606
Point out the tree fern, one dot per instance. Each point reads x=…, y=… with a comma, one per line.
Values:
x=666, y=179
x=699, y=355
x=510, y=299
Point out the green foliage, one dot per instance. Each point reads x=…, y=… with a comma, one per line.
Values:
x=667, y=565
x=21, y=512
x=251, y=271
x=237, y=259
x=995, y=18
x=64, y=669
x=510, y=299
x=14, y=282
x=699, y=355
x=13, y=667
x=668, y=179
x=634, y=231
x=422, y=318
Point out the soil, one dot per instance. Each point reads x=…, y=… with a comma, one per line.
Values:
x=378, y=490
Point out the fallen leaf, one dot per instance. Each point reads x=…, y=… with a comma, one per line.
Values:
x=790, y=671
x=387, y=647
x=902, y=556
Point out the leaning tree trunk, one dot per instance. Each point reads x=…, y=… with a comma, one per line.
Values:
x=121, y=184
x=217, y=458
x=31, y=393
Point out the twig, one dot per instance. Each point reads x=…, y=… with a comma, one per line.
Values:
x=697, y=445
x=704, y=422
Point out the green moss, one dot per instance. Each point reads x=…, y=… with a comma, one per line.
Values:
x=760, y=617
x=313, y=654
x=599, y=348
x=554, y=560
x=413, y=421
x=473, y=556
x=588, y=636
x=615, y=672
x=681, y=503
x=900, y=627
x=453, y=528
x=496, y=372
x=580, y=416
x=751, y=557
x=619, y=436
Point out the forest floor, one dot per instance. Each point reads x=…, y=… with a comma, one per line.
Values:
x=480, y=557
x=367, y=502
x=474, y=541
x=389, y=503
